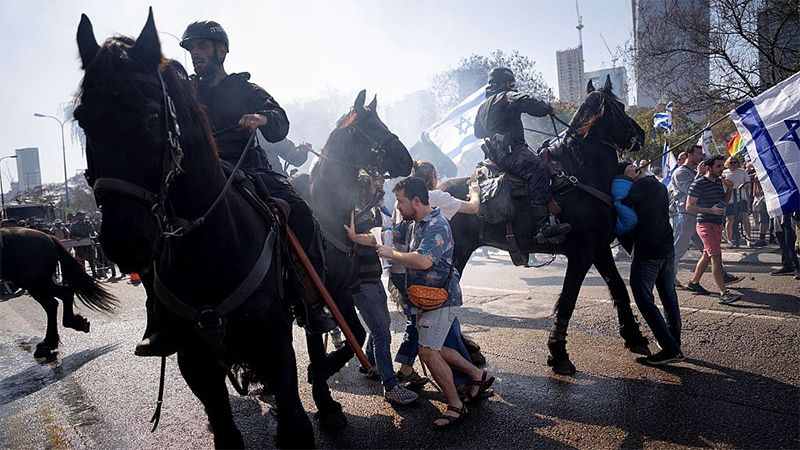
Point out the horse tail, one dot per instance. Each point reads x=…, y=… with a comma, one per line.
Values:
x=89, y=291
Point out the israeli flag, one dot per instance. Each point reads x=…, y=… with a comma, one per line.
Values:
x=558, y=139
x=770, y=128
x=454, y=134
x=663, y=120
x=668, y=165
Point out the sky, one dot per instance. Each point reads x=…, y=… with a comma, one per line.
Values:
x=295, y=49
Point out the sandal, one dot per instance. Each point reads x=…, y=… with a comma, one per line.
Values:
x=483, y=387
x=451, y=420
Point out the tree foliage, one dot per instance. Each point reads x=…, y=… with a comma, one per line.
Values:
x=81, y=196
x=454, y=85
x=747, y=46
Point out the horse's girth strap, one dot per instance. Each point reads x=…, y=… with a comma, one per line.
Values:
x=245, y=289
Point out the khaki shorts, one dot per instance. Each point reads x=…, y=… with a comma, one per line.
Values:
x=433, y=326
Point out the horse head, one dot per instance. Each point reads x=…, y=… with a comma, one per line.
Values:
x=362, y=140
x=600, y=132
x=133, y=141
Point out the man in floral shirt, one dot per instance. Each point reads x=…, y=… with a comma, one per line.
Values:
x=429, y=263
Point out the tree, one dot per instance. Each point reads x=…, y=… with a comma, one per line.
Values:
x=454, y=85
x=81, y=195
x=710, y=55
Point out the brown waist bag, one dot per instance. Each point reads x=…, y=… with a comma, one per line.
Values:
x=428, y=298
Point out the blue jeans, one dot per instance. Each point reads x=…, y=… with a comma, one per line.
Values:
x=645, y=274
x=370, y=299
x=683, y=233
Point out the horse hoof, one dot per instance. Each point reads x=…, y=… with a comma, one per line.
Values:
x=561, y=366
x=331, y=422
x=78, y=323
x=43, y=351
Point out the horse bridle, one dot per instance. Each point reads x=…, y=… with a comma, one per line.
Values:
x=620, y=151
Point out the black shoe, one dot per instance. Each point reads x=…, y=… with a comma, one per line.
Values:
x=154, y=345
x=696, y=288
x=318, y=320
x=662, y=358
x=783, y=271
x=678, y=284
x=731, y=279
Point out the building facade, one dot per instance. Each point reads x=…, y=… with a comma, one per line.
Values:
x=619, y=79
x=28, y=170
x=571, y=85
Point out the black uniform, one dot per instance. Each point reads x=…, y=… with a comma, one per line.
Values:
x=225, y=105
x=500, y=114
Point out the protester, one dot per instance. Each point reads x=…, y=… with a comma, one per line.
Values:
x=706, y=199
x=59, y=230
x=760, y=215
x=429, y=263
x=684, y=222
x=787, y=238
x=369, y=295
x=652, y=264
x=737, y=209
x=448, y=206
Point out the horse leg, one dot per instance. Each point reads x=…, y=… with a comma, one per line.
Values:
x=628, y=326
x=69, y=318
x=206, y=378
x=329, y=411
x=294, y=428
x=577, y=267
x=45, y=348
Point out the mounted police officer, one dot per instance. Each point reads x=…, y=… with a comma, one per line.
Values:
x=499, y=123
x=236, y=108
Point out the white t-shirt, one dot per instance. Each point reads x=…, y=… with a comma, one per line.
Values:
x=448, y=205
x=739, y=177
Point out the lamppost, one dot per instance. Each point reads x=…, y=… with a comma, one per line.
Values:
x=179, y=42
x=2, y=194
x=64, y=155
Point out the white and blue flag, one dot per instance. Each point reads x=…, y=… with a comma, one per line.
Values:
x=454, y=134
x=663, y=120
x=770, y=128
x=668, y=165
x=557, y=140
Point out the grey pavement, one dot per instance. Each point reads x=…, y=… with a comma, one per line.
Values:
x=737, y=389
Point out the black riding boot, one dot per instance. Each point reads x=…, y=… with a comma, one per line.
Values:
x=547, y=232
x=153, y=343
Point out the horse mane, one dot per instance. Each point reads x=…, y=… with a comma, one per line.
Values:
x=112, y=60
x=580, y=159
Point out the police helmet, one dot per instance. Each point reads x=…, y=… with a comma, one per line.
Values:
x=205, y=29
x=501, y=76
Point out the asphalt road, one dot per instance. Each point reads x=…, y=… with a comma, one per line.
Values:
x=737, y=389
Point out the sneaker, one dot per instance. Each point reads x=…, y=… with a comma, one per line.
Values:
x=696, y=288
x=783, y=271
x=759, y=243
x=797, y=274
x=400, y=395
x=678, y=284
x=370, y=374
x=731, y=279
x=662, y=358
x=413, y=380
x=729, y=297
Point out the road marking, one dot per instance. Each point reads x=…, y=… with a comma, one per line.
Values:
x=682, y=308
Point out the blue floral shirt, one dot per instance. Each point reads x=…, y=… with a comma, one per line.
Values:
x=432, y=237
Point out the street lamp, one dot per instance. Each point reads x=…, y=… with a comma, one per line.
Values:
x=179, y=43
x=2, y=194
x=64, y=154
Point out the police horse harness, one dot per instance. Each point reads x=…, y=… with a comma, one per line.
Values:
x=587, y=159
x=29, y=259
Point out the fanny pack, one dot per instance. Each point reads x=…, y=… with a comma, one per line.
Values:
x=428, y=298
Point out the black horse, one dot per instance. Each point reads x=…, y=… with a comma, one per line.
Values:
x=153, y=163
x=360, y=142
x=598, y=130
x=29, y=258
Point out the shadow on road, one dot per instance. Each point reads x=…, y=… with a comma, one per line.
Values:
x=39, y=376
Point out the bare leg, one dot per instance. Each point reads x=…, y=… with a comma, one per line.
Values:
x=702, y=264
x=443, y=375
x=716, y=270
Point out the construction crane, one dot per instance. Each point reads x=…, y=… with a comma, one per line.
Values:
x=579, y=27
x=614, y=58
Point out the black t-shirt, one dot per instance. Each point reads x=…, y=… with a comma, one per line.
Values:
x=708, y=193
x=652, y=237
